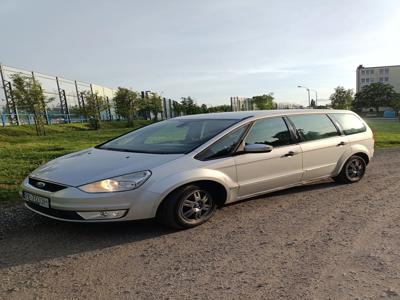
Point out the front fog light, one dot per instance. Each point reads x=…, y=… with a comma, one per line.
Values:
x=102, y=215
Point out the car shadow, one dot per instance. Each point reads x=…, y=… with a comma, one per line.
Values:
x=29, y=238
x=35, y=238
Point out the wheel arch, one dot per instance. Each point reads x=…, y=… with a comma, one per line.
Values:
x=363, y=155
x=343, y=161
x=217, y=189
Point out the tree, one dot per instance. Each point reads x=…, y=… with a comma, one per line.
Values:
x=220, y=108
x=312, y=104
x=152, y=104
x=396, y=104
x=28, y=95
x=376, y=95
x=126, y=104
x=156, y=106
x=177, y=108
x=204, y=109
x=94, y=105
x=189, y=106
x=341, y=98
x=73, y=110
x=264, y=101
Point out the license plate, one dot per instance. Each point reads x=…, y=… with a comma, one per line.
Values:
x=39, y=200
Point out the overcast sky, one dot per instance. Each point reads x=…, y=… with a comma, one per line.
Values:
x=206, y=49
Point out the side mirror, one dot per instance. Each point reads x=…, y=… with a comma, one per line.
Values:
x=257, y=148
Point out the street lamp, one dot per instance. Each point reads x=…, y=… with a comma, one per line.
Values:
x=308, y=91
x=316, y=97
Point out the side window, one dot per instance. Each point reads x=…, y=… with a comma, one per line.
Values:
x=272, y=131
x=314, y=127
x=224, y=146
x=350, y=123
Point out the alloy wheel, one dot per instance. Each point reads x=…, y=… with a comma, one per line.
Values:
x=196, y=207
x=355, y=169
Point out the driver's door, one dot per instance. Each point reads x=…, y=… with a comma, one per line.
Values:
x=261, y=172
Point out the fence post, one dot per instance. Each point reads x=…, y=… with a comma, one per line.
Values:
x=110, y=118
x=63, y=102
x=44, y=104
x=10, y=104
x=3, y=119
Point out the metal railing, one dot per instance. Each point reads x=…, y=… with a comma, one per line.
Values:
x=28, y=119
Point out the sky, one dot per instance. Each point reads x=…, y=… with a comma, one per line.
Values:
x=209, y=50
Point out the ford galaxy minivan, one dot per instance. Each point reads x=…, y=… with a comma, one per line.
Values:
x=180, y=170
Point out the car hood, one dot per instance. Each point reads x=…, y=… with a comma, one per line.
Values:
x=96, y=164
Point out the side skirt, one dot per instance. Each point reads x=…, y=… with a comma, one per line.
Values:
x=281, y=188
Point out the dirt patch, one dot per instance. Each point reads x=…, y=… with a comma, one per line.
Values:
x=314, y=242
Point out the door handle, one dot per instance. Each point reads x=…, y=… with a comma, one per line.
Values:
x=289, y=154
x=341, y=144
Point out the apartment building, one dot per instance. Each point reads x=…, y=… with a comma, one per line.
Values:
x=384, y=74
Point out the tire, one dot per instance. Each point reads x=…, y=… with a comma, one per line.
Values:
x=352, y=171
x=186, y=207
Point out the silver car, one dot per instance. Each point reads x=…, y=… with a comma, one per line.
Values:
x=180, y=170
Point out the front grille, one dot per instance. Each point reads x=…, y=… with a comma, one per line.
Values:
x=45, y=185
x=62, y=214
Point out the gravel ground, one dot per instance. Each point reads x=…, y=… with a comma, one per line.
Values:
x=321, y=241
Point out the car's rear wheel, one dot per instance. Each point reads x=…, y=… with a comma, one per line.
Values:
x=187, y=207
x=352, y=171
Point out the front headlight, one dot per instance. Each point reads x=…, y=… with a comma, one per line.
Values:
x=117, y=184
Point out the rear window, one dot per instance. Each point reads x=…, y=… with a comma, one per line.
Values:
x=314, y=127
x=350, y=123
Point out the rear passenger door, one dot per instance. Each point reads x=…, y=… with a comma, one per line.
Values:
x=322, y=144
x=260, y=172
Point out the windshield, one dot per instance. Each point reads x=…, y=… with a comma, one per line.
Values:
x=169, y=137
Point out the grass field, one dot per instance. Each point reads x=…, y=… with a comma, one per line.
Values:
x=387, y=132
x=21, y=150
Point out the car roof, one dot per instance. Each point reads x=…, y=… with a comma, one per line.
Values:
x=241, y=115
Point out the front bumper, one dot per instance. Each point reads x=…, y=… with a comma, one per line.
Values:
x=66, y=203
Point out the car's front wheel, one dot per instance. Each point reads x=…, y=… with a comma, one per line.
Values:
x=187, y=207
x=352, y=171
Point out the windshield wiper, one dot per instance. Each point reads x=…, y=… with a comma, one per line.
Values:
x=136, y=151
x=120, y=150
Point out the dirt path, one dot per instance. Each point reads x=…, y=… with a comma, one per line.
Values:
x=323, y=241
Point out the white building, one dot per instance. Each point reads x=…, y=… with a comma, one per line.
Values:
x=384, y=74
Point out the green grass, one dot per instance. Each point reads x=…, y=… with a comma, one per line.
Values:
x=387, y=132
x=21, y=151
